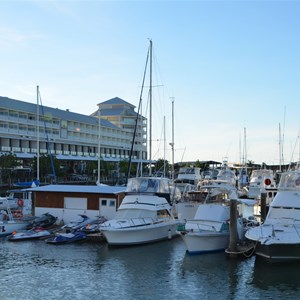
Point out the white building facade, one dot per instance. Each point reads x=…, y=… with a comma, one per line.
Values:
x=69, y=135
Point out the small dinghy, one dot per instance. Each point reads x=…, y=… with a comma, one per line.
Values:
x=64, y=238
x=33, y=234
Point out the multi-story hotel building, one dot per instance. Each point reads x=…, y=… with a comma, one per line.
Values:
x=72, y=136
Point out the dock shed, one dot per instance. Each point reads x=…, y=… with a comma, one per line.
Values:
x=66, y=202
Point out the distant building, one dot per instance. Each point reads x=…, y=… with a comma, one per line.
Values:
x=69, y=135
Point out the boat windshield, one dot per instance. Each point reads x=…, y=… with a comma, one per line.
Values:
x=290, y=180
x=147, y=185
x=226, y=175
x=135, y=213
x=260, y=175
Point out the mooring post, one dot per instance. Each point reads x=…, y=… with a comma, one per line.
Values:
x=263, y=204
x=233, y=224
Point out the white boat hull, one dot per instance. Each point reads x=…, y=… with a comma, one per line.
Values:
x=8, y=227
x=205, y=242
x=140, y=235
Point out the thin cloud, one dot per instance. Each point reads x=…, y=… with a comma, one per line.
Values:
x=57, y=7
x=12, y=37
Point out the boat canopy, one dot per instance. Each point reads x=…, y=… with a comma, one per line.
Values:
x=148, y=185
x=260, y=175
x=290, y=181
x=227, y=175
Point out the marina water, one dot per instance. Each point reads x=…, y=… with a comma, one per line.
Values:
x=36, y=270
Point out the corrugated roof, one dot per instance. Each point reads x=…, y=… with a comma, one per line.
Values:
x=23, y=106
x=95, y=189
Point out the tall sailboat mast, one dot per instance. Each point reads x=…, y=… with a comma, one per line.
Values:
x=150, y=113
x=245, y=153
x=280, y=149
x=164, y=146
x=37, y=135
x=99, y=145
x=173, y=144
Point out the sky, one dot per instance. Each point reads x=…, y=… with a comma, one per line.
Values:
x=225, y=74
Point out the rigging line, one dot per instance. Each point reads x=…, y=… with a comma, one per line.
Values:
x=47, y=138
x=283, y=135
x=137, y=117
x=158, y=75
x=294, y=149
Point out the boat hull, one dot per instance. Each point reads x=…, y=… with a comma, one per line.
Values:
x=7, y=228
x=66, y=238
x=140, y=235
x=23, y=236
x=197, y=243
x=278, y=252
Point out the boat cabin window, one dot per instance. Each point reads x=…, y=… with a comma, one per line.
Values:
x=290, y=180
x=161, y=214
x=147, y=185
x=134, y=213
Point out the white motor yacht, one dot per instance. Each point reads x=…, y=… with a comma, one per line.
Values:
x=278, y=238
x=145, y=214
x=208, y=231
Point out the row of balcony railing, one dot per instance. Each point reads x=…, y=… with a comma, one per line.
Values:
x=33, y=151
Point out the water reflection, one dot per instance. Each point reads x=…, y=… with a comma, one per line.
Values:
x=281, y=276
x=157, y=271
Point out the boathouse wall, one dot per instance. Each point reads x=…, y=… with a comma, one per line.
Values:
x=84, y=203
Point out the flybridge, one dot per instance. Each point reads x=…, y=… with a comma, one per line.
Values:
x=189, y=174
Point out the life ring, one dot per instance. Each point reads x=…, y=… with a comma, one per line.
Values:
x=20, y=202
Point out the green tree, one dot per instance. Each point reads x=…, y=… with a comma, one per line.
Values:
x=160, y=164
x=7, y=163
x=45, y=166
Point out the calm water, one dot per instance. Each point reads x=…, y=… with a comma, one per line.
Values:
x=36, y=270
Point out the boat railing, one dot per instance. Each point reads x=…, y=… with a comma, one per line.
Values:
x=141, y=221
x=9, y=212
x=202, y=226
x=136, y=222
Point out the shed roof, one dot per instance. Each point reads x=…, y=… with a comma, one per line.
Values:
x=64, y=188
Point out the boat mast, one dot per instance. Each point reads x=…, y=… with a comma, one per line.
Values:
x=136, y=121
x=164, y=146
x=37, y=135
x=150, y=114
x=172, y=143
x=280, y=162
x=245, y=154
x=99, y=149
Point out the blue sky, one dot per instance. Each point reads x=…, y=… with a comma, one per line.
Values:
x=228, y=65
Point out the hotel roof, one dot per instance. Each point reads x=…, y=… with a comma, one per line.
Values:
x=23, y=106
